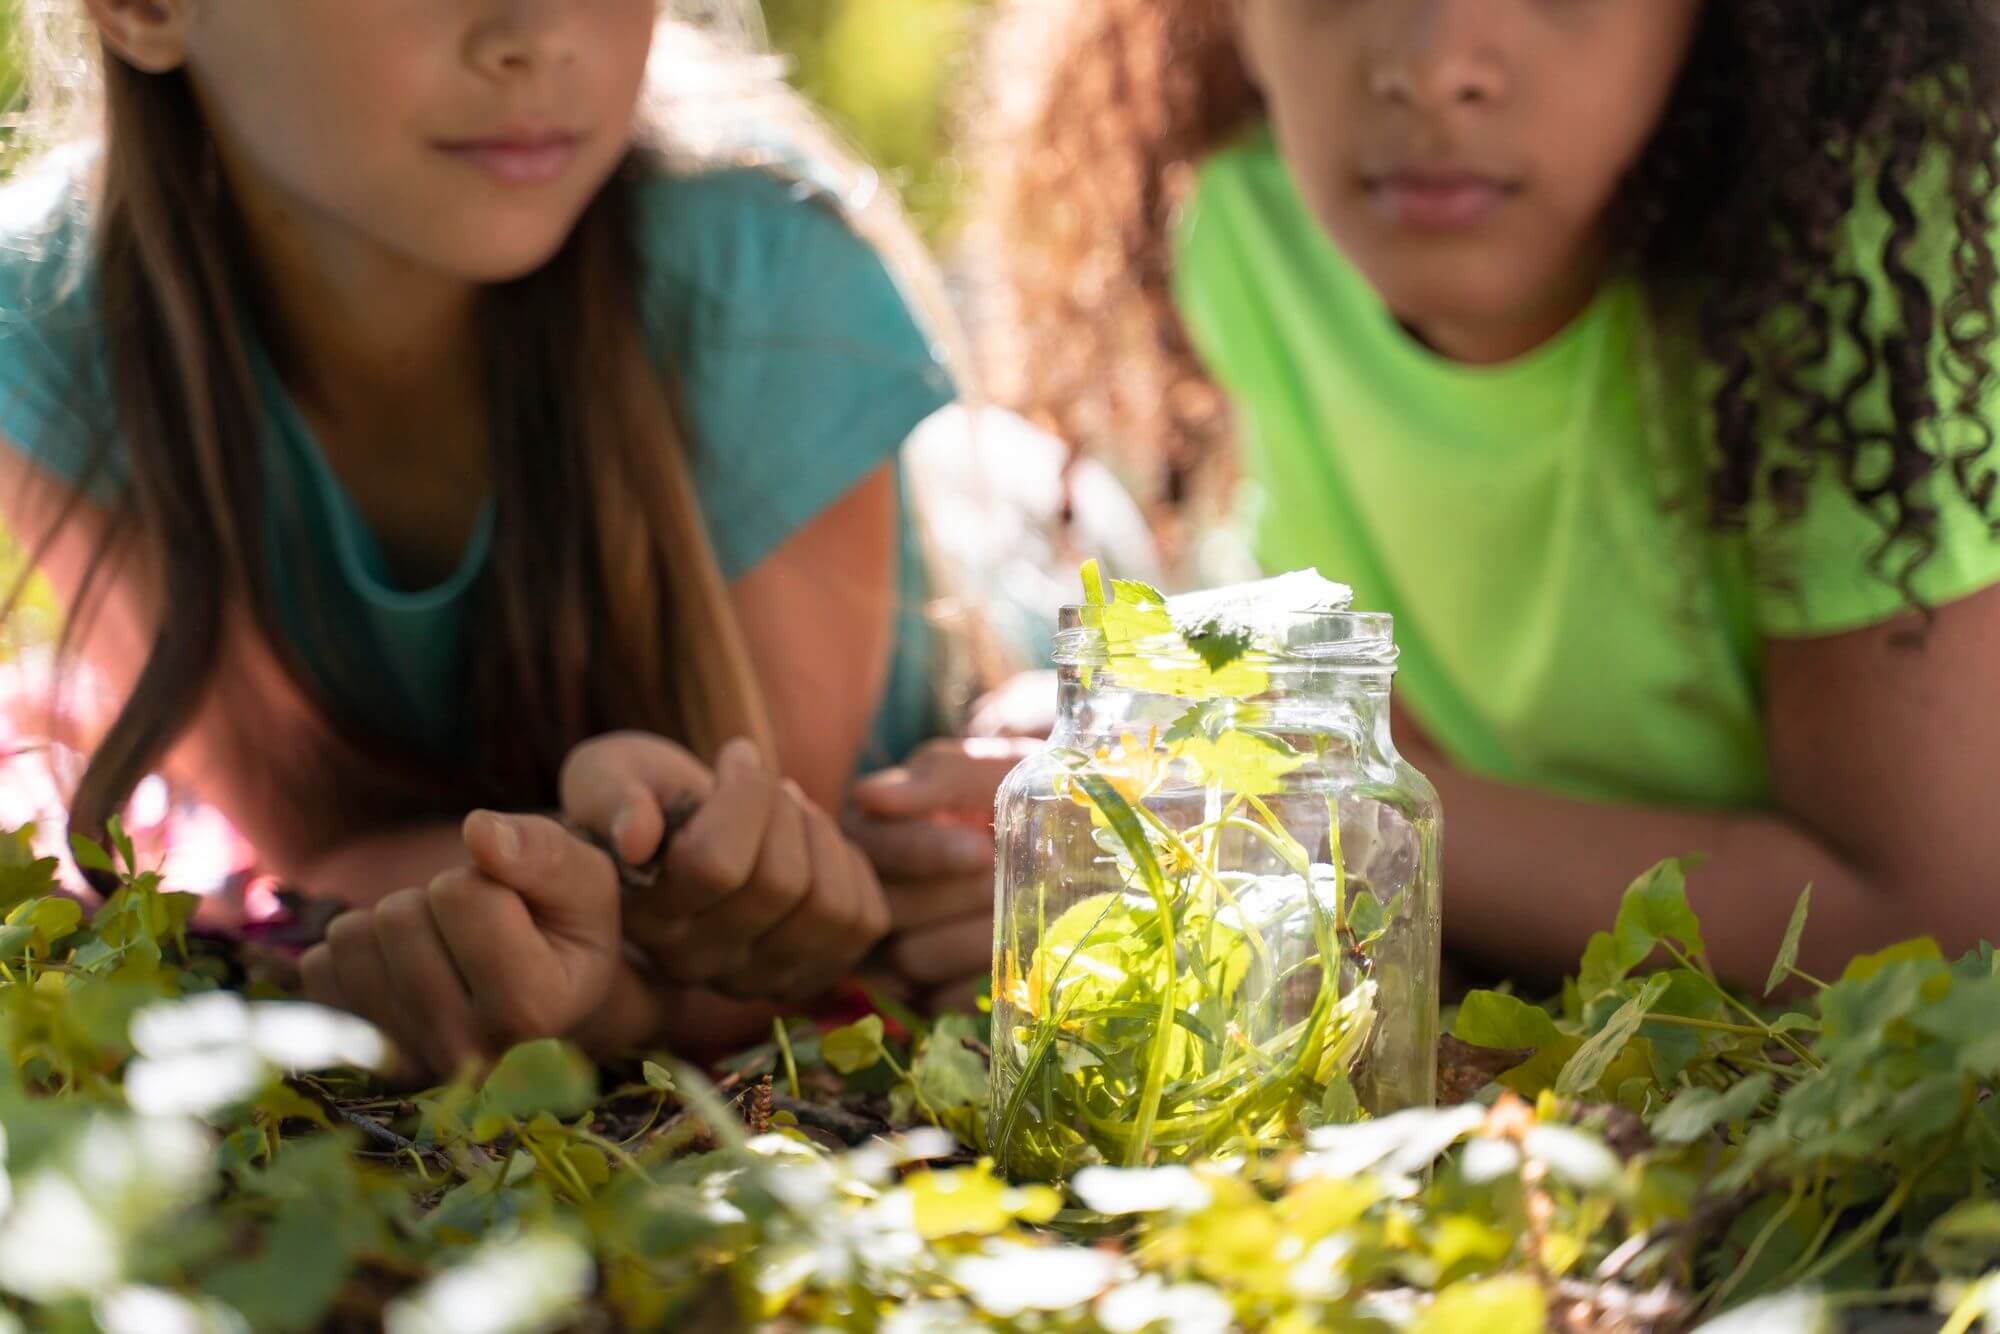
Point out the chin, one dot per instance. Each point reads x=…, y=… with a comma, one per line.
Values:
x=1452, y=294
x=488, y=264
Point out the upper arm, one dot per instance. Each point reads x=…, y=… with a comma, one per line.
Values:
x=803, y=369
x=1885, y=750
x=64, y=535
x=819, y=616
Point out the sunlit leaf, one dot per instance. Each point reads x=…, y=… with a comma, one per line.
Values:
x=854, y=1048
x=1788, y=949
x=1512, y=1305
x=1595, y=1057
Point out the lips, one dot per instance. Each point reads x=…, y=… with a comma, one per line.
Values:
x=525, y=157
x=1441, y=199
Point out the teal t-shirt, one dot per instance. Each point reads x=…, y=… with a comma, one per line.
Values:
x=799, y=364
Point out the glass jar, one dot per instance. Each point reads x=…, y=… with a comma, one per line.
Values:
x=1218, y=912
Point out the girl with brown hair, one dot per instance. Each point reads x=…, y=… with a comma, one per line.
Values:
x=402, y=394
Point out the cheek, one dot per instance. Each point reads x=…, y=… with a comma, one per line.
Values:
x=319, y=126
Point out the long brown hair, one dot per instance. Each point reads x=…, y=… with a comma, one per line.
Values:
x=603, y=594
x=1785, y=110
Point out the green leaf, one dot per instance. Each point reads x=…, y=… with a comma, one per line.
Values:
x=1494, y=1019
x=291, y=1282
x=1252, y=764
x=1594, y=1058
x=1698, y=1111
x=1219, y=647
x=1921, y=950
x=22, y=874
x=1788, y=951
x=1654, y=909
x=115, y=827
x=1514, y=1304
x=856, y=1047
x=89, y=855
x=1093, y=584
x=658, y=1077
x=950, y=1073
x=547, y=1076
x=1134, y=593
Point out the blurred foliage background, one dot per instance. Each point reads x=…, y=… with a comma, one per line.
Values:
x=889, y=75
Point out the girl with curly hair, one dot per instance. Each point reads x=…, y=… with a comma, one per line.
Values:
x=1634, y=353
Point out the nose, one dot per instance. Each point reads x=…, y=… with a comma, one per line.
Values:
x=516, y=37
x=1436, y=54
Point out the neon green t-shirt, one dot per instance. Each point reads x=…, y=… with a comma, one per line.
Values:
x=1569, y=620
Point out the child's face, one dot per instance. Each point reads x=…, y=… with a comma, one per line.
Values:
x=1463, y=153
x=467, y=136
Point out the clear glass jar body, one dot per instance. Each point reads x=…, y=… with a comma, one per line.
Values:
x=1211, y=937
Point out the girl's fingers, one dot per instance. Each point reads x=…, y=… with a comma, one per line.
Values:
x=427, y=983
x=720, y=940
x=953, y=776
x=827, y=934
x=923, y=849
x=318, y=980
x=569, y=887
x=713, y=857
x=916, y=904
x=518, y=989
x=944, y=954
x=620, y=785
x=364, y=981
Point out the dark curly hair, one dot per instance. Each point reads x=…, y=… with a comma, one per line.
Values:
x=1785, y=114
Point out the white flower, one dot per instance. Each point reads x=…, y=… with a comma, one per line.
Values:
x=1784, y=1313
x=194, y=1083
x=54, y=1245
x=1139, y=1190
x=1575, y=1157
x=1399, y=1144
x=1007, y=1279
x=194, y=1023
x=141, y=1310
x=298, y=1037
x=526, y=1284
x=1147, y=1303
x=1487, y=1160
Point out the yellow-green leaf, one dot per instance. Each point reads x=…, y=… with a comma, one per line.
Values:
x=856, y=1047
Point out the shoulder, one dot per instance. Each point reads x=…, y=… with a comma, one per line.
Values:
x=1241, y=190
x=736, y=235
x=53, y=367
x=45, y=249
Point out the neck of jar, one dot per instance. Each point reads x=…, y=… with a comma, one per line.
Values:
x=1300, y=700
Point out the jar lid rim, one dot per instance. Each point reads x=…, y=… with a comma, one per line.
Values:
x=1360, y=640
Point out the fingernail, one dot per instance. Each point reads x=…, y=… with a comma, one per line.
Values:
x=506, y=838
x=621, y=825
x=742, y=751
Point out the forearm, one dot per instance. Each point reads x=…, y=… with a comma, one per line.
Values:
x=1528, y=878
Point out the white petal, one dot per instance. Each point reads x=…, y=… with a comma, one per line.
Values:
x=212, y=1019
x=1007, y=1280
x=194, y=1083
x=1577, y=1158
x=295, y=1036
x=54, y=1245
x=1139, y=1190
x=528, y=1284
